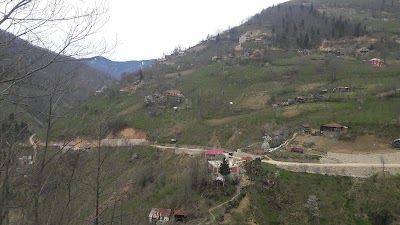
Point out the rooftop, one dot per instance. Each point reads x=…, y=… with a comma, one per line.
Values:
x=215, y=151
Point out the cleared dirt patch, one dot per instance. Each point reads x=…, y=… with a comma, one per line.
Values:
x=362, y=144
x=129, y=133
x=256, y=102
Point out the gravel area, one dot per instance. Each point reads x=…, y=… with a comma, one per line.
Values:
x=389, y=158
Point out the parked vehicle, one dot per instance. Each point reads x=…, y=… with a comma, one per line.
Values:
x=297, y=149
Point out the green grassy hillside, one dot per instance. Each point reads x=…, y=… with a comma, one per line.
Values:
x=232, y=102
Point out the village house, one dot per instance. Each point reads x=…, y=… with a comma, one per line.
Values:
x=243, y=38
x=214, y=154
x=247, y=158
x=218, y=58
x=180, y=215
x=216, y=164
x=376, y=62
x=172, y=93
x=158, y=96
x=342, y=89
x=334, y=127
x=25, y=160
x=300, y=99
x=305, y=128
x=396, y=143
x=363, y=51
x=159, y=215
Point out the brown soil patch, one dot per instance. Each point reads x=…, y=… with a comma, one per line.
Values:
x=365, y=39
x=243, y=205
x=309, y=87
x=129, y=133
x=362, y=144
x=256, y=102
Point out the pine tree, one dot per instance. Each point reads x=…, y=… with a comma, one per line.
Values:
x=224, y=169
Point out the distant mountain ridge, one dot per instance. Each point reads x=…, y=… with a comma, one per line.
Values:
x=116, y=68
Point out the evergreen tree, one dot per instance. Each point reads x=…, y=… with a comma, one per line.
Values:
x=224, y=169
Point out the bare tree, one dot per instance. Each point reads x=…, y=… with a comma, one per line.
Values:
x=64, y=27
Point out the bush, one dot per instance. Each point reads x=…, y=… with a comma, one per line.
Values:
x=117, y=125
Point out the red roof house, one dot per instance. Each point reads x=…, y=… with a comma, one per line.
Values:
x=159, y=215
x=214, y=153
x=376, y=62
x=172, y=93
x=179, y=215
x=334, y=127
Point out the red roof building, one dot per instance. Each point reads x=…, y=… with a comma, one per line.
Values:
x=376, y=62
x=334, y=127
x=180, y=215
x=213, y=154
x=172, y=93
x=159, y=214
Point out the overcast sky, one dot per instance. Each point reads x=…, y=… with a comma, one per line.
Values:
x=148, y=28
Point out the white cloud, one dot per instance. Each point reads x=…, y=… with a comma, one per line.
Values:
x=148, y=28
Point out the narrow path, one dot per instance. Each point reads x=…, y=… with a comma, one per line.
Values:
x=238, y=191
x=222, y=204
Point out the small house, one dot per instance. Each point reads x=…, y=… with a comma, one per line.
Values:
x=305, y=128
x=363, y=50
x=172, y=93
x=180, y=215
x=396, y=143
x=342, y=89
x=243, y=39
x=215, y=165
x=323, y=91
x=247, y=158
x=25, y=160
x=300, y=99
x=334, y=127
x=376, y=62
x=159, y=215
x=214, y=154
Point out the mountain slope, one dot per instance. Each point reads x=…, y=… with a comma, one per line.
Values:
x=31, y=77
x=234, y=94
x=116, y=68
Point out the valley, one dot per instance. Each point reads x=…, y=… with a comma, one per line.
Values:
x=291, y=117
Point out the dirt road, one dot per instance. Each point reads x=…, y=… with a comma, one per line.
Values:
x=343, y=169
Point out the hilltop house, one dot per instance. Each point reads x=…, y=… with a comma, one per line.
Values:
x=159, y=215
x=334, y=127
